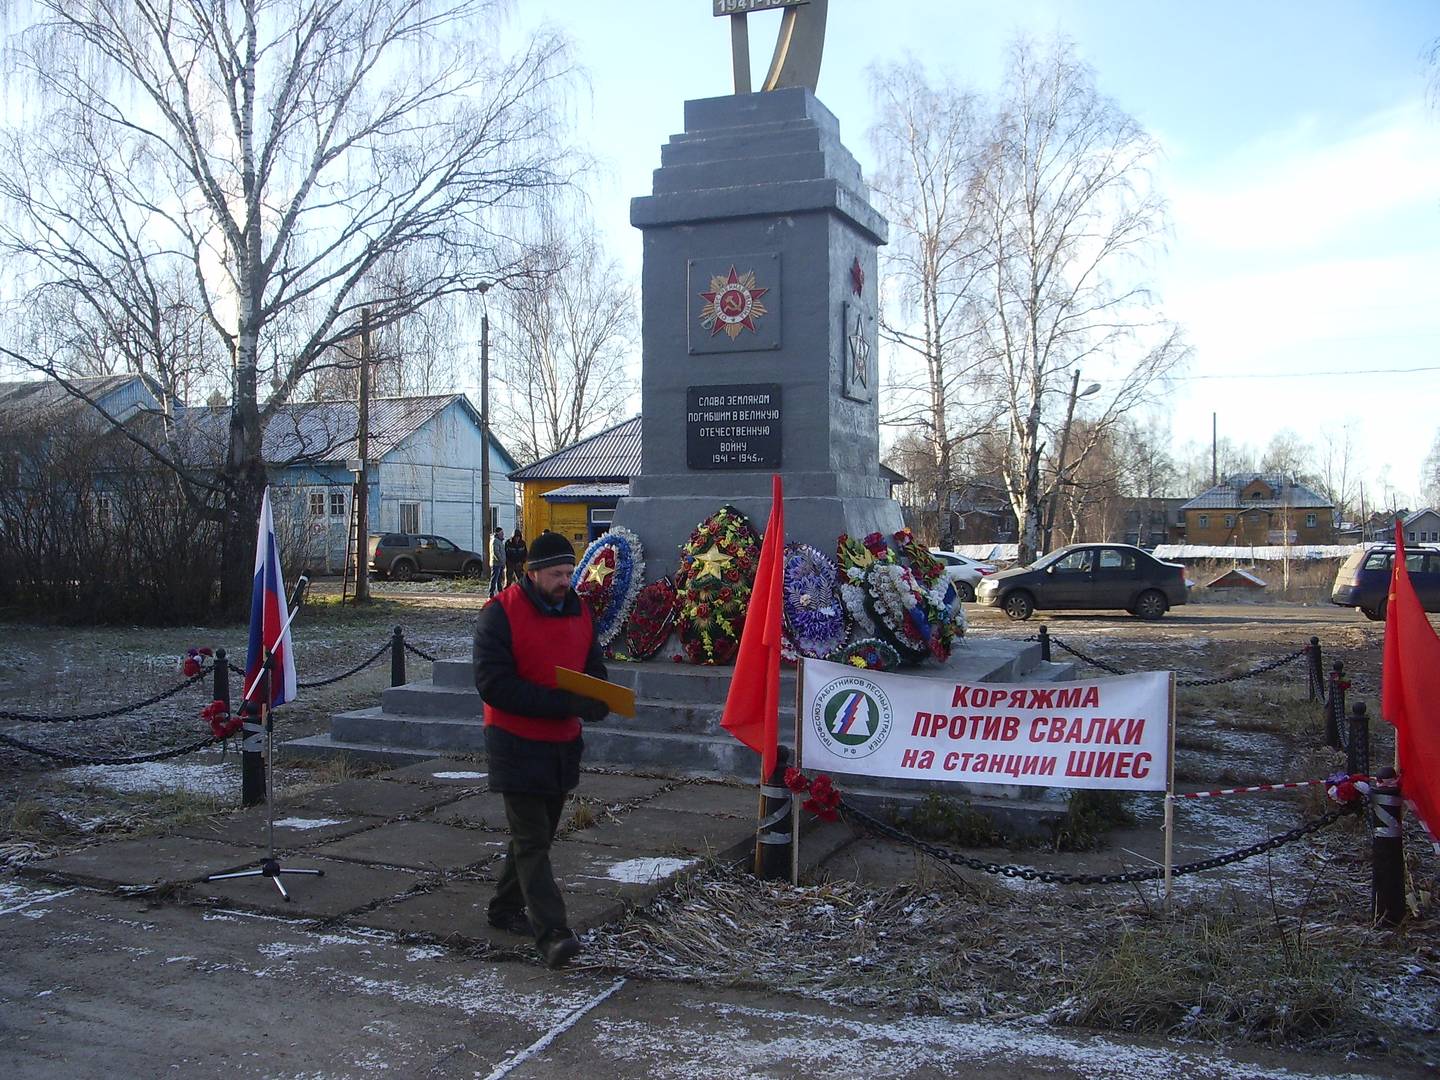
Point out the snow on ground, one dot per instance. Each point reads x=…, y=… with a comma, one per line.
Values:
x=157, y=777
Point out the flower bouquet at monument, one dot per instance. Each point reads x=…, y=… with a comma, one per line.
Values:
x=942, y=600
x=854, y=559
x=717, y=573
x=651, y=619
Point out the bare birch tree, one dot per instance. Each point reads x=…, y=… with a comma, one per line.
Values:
x=931, y=150
x=275, y=152
x=566, y=348
x=1068, y=214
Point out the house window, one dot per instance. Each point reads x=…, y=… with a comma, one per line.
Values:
x=317, y=504
x=1204, y=521
x=1310, y=521
x=337, y=504
x=602, y=516
x=1229, y=521
x=1410, y=536
x=409, y=517
x=104, y=508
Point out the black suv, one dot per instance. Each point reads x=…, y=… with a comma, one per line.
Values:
x=1087, y=576
x=403, y=555
x=1363, y=580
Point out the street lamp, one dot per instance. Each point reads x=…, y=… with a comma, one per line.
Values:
x=1075, y=394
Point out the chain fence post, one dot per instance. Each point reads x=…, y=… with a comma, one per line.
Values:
x=1044, y=643
x=773, y=833
x=397, y=657
x=1357, y=746
x=1387, y=849
x=1335, y=706
x=1317, y=670
x=222, y=680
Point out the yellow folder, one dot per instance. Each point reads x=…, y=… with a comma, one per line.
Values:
x=621, y=699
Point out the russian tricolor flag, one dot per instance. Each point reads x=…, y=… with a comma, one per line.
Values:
x=269, y=622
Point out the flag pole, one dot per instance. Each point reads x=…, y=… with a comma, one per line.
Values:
x=799, y=763
x=1170, y=798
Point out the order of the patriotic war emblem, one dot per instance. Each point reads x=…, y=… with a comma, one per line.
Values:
x=734, y=303
x=851, y=717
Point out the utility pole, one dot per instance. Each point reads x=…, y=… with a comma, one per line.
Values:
x=485, y=525
x=1214, y=449
x=362, y=478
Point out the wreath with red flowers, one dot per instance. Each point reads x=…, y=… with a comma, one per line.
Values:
x=717, y=573
x=651, y=619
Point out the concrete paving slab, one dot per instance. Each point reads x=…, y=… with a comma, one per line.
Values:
x=663, y=832
x=419, y=845
x=345, y=886
x=112, y=989
x=376, y=798
x=96, y=985
x=455, y=913
x=634, y=876
x=485, y=811
x=150, y=860
x=295, y=830
x=722, y=800
x=441, y=772
x=613, y=788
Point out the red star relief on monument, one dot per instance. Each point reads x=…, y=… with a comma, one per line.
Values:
x=733, y=302
x=857, y=277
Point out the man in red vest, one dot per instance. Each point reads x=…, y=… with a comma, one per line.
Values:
x=532, y=732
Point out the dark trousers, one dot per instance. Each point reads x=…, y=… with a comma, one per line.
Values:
x=527, y=880
x=497, y=577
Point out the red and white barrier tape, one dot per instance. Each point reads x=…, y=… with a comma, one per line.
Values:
x=1247, y=790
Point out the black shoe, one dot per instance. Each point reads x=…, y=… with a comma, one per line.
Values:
x=512, y=922
x=558, y=948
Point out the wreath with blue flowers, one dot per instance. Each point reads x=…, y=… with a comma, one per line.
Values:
x=609, y=576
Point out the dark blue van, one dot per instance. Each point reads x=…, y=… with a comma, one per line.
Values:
x=1363, y=580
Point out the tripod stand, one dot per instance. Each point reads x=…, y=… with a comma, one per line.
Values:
x=269, y=866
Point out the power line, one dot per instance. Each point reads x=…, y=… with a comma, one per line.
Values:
x=1307, y=374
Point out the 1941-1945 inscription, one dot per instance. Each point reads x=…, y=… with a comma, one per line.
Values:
x=736, y=426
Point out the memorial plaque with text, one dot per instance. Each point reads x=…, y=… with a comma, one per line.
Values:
x=736, y=426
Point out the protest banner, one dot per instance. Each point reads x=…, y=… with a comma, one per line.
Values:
x=1111, y=733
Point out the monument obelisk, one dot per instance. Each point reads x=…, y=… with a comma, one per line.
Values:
x=759, y=312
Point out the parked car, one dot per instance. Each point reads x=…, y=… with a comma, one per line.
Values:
x=1363, y=580
x=403, y=555
x=1087, y=576
x=964, y=571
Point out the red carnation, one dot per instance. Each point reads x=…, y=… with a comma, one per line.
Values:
x=726, y=592
x=796, y=781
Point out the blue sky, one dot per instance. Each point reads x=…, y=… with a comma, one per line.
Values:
x=1301, y=164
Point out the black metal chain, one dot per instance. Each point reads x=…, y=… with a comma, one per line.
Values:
x=346, y=674
x=1029, y=873
x=1113, y=670
x=119, y=710
x=421, y=653
x=313, y=683
x=86, y=759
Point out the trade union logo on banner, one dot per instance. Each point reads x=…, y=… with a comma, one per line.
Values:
x=852, y=717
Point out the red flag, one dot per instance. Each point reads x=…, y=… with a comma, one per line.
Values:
x=752, y=707
x=1410, y=692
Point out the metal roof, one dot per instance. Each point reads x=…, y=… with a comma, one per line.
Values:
x=326, y=430
x=1410, y=519
x=49, y=401
x=1226, y=495
x=585, y=492
x=612, y=454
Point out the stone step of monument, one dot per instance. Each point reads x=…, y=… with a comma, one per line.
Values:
x=448, y=734
x=776, y=168
x=674, y=753
x=327, y=746
x=428, y=699
x=1031, y=813
x=783, y=138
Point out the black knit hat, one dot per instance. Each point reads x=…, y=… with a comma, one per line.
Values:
x=549, y=549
